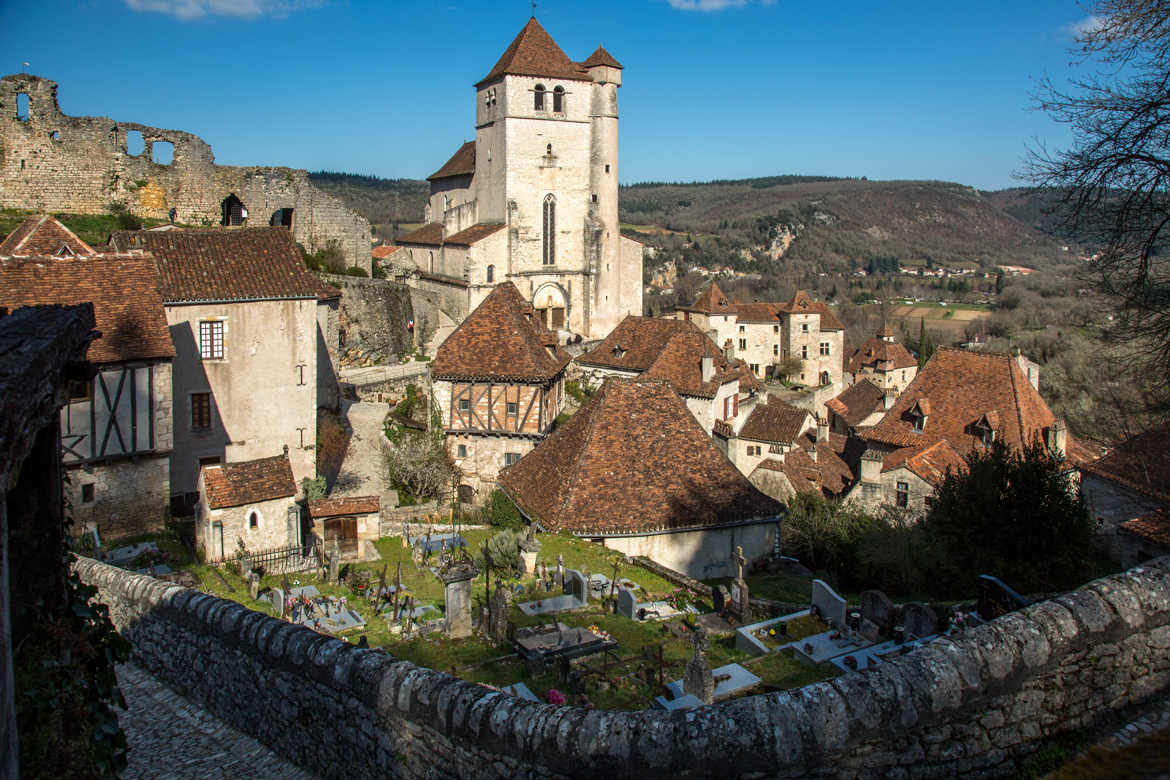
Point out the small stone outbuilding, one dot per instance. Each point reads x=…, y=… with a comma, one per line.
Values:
x=351, y=520
x=250, y=502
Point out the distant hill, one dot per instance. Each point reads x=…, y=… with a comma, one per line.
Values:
x=816, y=223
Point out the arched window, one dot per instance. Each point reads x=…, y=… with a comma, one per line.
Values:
x=491, y=274
x=558, y=100
x=550, y=229
x=538, y=97
x=253, y=520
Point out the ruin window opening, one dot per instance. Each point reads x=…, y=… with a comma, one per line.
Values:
x=22, y=106
x=234, y=211
x=538, y=97
x=550, y=227
x=87, y=492
x=282, y=218
x=559, y=100
x=135, y=143
x=162, y=152
x=55, y=135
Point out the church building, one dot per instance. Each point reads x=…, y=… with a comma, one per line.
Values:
x=533, y=199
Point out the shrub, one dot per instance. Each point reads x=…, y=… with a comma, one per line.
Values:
x=502, y=513
x=355, y=271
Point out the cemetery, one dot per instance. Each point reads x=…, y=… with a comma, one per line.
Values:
x=565, y=620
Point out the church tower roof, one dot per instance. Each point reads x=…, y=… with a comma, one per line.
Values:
x=602, y=57
x=534, y=53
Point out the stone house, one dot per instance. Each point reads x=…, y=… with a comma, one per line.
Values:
x=498, y=382
x=767, y=334
x=959, y=402
x=883, y=361
x=252, y=502
x=859, y=406
x=352, y=521
x=255, y=336
x=1131, y=482
x=116, y=429
x=634, y=471
x=818, y=462
x=771, y=429
x=713, y=387
x=534, y=198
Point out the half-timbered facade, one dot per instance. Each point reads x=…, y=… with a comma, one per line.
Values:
x=499, y=384
x=116, y=433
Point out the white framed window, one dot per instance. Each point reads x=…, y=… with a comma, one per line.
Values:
x=211, y=339
x=825, y=347
x=462, y=451
x=465, y=404
x=511, y=457
x=804, y=352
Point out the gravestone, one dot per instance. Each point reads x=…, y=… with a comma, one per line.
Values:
x=560, y=576
x=529, y=550
x=869, y=630
x=626, y=603
x=697, y=679
x=587, y=594
x=877, y=608
x=276, y=599
x=996, y=597
x=457, y=587
x=253, y=585
x=497, y=622
x=575, y=584
x=334, y=562
x=828, y=603
x=739, y=605
x=245, y=562
x=919, y=620
x=719, y=598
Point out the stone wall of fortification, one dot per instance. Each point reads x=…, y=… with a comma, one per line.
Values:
x=975, y=704
x=53, y=162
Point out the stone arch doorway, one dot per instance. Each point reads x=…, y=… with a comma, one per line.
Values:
x=234, y=211
x=551, y=306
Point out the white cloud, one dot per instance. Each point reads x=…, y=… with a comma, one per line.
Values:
x=1084, y=26
x=239, y=9
x=713, y=5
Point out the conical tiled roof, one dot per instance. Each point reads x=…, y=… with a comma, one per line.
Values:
x=534, y=53
x=711, y=301
x=602, y=57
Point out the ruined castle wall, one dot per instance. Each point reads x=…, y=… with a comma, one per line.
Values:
x=374, y=314
x=53, y=162
x=975, y=704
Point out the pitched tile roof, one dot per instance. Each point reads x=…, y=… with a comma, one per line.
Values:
x=681, y=363
x=346, y=505
x=632, y=460
x=384, y=251
x=245, y=264
x=711, y=301
x=123, y=289
x=601, y=57
x=1154, y=527
x=858, y=401
x=462, y=163
x=248, y=482
x=500, y=340
x=534, y=53
x=1141, y=463
x=775, y=421
x=880, y=355
x=469, y=236
x=635, y=343
x=958, y=387
x=930, y=462
x=44, y=236
x=756, y=312
x=800, y=470
x=802, y=303
x=430, y=234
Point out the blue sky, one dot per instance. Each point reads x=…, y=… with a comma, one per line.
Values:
x=713, y=88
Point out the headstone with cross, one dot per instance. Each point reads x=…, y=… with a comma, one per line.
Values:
x=697, y=679
x=738, y=604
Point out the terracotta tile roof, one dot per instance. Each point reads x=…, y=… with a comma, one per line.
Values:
x=245, y=264
x=430, y=234
x=384, y=251
x=44, y=236
x=830, y=474
x=601, y=57
x=681, y=363
x=123, y=289
x=756, y=312
x=802, y=303
x=711, y=301
x=929, y=462
x=1154, y=527
x=880, y=355
x=748, y=382
x=857, y=402
x=956, y=388
x=248, y=482
x=469, y=236
x=836, y=460
x=462, y=163
x=534, y=53
x=635, y=343
x=776, y=422
x=632, y=460
x=799, y=469
x=1080, y=453
x=500, y=340
x=1141, y=463
x=347, y=505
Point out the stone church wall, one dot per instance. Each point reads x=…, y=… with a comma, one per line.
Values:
x=977, y=704
x=53, y=162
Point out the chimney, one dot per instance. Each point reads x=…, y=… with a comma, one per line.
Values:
x=728, y=350
x=812, y=452
x=822, y=430
x=871, y=467
x=1058, y=438
x=707, y=368
x=888, y=401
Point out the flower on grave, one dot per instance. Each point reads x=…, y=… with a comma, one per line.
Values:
x=851, y=662
x=555, y=697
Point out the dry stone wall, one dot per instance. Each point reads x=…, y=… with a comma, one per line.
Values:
x=53, y=162
x=973, y=705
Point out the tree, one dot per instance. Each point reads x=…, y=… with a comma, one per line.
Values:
x=824, y=534
x=419, y=468
x=1016, y=515
x=1111, y=184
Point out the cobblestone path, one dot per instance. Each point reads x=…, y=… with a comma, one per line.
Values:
x=170, y=737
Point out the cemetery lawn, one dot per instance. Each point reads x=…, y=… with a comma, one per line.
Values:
x=629, y=681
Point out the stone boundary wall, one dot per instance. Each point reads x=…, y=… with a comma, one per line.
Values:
x=704, y=591
x=975, y=704
x=374, y=314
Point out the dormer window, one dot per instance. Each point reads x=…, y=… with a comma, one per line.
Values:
x=986, y=428
x=619, y=351
x=538, y=97
x=919, y=412
x=559, y=100
x=65, y=251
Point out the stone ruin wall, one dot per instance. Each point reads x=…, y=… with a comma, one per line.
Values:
x=57, y=163
x=977, y=704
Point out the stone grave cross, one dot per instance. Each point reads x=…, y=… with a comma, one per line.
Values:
x=739, y=562
x=697, y=678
